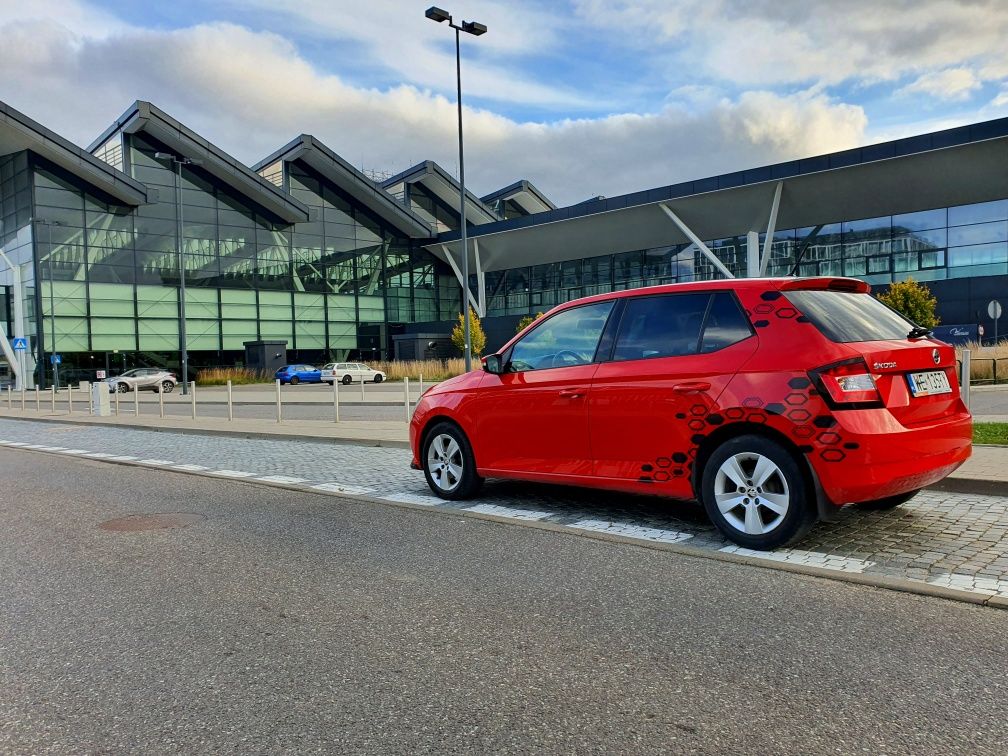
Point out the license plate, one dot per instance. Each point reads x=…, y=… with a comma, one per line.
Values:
x=929, y=383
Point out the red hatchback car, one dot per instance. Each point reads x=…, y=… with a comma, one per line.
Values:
x=771, y=401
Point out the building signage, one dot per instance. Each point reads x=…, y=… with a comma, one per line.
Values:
x=957, y=334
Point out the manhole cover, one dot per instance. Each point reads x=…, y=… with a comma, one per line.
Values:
x=157, y=521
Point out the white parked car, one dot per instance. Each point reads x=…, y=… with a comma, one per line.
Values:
x=143, y=379
x=350, y=372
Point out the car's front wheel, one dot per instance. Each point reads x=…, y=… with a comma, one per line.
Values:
x=167, y=387
x=294, y=381
x=755, y=493
x=346, y=380
x=378, y=379
x=449, y=464
x=122, y=388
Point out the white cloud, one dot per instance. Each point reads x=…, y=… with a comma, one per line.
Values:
x=250, y=92
x=950, y=84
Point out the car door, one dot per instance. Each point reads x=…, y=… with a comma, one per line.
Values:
x=655, y=398
x=533, y=417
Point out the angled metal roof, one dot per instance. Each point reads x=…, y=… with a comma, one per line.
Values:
x=952, y=167
x=19, y=132
x=441, y=184
x=316, y=155
x=144, y=117
x=523, y=194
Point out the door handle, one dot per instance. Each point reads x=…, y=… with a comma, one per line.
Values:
x=572, y=393
x=691, y=387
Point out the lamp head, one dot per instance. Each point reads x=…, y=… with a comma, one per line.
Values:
x=437, y=14
x=474, y=27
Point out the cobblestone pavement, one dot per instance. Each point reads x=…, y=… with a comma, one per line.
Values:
x=952, y=540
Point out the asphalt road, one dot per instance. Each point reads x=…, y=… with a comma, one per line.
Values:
x=287, y=621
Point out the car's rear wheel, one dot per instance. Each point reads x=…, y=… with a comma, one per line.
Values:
x=167, y=387
x=295, y=381
x=122, y=388
x=378, y=379
x=755, y=493
x=346, y=380
x=889, y=502
x=449, y=464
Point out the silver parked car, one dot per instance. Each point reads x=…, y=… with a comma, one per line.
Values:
x=143, y=379
x=350, y=372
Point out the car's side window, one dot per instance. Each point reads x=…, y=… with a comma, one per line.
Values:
x=566, y=339
x=665, y=325
x=726, y=324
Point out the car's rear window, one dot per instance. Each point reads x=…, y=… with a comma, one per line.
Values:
x=845, y=317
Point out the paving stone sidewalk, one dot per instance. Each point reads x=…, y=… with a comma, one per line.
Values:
x=943, y=539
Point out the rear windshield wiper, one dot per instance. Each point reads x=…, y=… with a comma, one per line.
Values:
x=918, y=332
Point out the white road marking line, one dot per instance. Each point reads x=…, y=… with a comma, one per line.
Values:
x=233, y=473
x=50, y=448
x=632, y=531
x=73, y=451
x=190, y=468
x=122, y=458
x=799, y=556
x=281, y=479
x=156, y=462
x=33, y=446
x=15, y=443
x=342, y=488
x=412, y=498
x=99, y=455
x=515, y=514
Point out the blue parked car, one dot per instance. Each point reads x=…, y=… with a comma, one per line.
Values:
x=295, y=374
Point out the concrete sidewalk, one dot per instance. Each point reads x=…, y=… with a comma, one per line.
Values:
x=986, y=472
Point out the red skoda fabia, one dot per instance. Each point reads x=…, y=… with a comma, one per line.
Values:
x=771, y=401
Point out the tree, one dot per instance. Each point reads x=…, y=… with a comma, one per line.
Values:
x=913, y=300
x=476, y=335
x=527, y=321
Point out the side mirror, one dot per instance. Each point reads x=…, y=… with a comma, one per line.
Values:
x=492, y=364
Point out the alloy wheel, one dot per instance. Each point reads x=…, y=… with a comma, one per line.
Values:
x=752, y=493
x=444, y=462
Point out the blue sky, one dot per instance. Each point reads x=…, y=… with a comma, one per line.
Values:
x=583, y=97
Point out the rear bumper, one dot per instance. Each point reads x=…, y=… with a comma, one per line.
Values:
x=868, y=455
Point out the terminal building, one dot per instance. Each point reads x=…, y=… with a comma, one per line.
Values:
x=104, y=250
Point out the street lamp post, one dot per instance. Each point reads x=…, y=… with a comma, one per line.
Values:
x=178, y=162
x=476, y=29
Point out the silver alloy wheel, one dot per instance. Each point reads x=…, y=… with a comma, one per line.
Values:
x=444, y=462
x=751, y=493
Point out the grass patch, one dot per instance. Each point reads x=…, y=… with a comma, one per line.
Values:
x=990, y=433
x=988, y=364
x=237, y=376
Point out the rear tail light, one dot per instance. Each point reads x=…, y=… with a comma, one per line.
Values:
x=847, y=385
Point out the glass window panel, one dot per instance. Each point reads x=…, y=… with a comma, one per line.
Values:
x=979, y=213
x=920, y=240
x=983, y=254
x=920, y=221
x=341, y=308
x=157, y=301
x=661, y=326
x=983, y=233
x=566, y=339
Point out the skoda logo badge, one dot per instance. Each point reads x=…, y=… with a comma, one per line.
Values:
x=935, y=356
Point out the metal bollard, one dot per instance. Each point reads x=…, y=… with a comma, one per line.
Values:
x=192, y=393
x=362, y=389
x=117, y=400
x=38, y=402
x=69, y=399
x=420, y=392
x=85, y=386
x=22, y=398
x=160, y=397
x=230, y=405
x=10, y=397
x=406, y=392
x=279, y=413
x=964, y=378
x=136, y=402
x=53, y=399
x=335, y=400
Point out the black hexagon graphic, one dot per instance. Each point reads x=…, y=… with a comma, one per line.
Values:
x=698, y=409
x=799, y=383
x=804, y=431
x=715, y=419
x=802, y=319
x=678, y=472
x=770, y=296
x=696, y=425
x=852, y=445
x=734, y=413
x=775, y=408
x=832, y=455
x=761, y=323
x=787, y=312
x=824, y=421
x=646, y=468
x=663, y=462
x=697, y=438
x=829, y=438
x=680, y=415
x=752, y=402
x=763, y=309
x=795, y=399
x=799, y=415
x=679, y=457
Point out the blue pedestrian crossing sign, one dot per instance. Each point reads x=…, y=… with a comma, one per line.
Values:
x=55, y=359
x=19, y=345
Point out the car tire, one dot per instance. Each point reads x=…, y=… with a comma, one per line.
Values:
x=378, y=379
x=122, y=388
x=449, y=464
x=755, y=493
x=167, y=387
x=295, y=381
x=889, y=502
x=347, y=380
